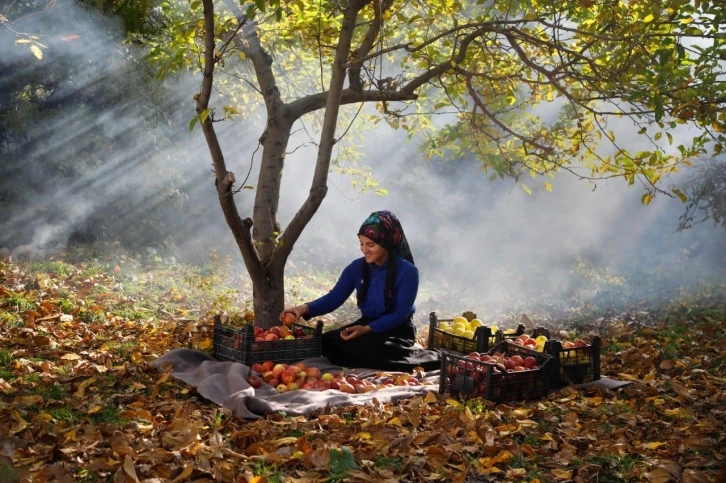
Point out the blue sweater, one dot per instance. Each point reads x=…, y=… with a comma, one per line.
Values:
x=374, y=306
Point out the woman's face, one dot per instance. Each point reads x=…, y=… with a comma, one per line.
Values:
x=373, y=252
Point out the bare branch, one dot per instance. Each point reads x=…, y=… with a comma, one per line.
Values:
x=224, y=179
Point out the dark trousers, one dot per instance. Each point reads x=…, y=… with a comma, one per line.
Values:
x=386, y=351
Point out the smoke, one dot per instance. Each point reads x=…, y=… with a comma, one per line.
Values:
x=479, y=244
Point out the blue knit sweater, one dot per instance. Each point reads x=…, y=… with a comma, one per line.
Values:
x=374, y=306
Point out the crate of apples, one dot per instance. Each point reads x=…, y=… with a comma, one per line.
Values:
x=508, y=372
x=285, y=343
x=574, y=361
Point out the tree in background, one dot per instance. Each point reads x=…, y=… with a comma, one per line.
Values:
x=529, y=88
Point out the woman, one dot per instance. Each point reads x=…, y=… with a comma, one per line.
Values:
x=386, y=284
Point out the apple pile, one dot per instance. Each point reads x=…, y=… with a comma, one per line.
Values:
x=291, y=377
x=501, y=362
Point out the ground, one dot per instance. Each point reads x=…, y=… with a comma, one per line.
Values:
x=79, y=400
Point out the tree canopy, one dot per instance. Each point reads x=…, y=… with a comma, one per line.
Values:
x=524, y=87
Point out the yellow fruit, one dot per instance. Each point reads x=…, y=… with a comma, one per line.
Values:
x=468, y=334
x=510, y=332
x=459, y=331
x=458, y=325
x=539, y=347
x=541, y=339
x=476, y=323
x=494, y=329
x=448, y=329
x=444, y=326
x=460, y=319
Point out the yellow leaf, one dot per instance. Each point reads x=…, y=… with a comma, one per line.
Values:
x=654, y=445
x=206, y=343
x=70, y=357
x=36, y=51
x=80, y=392
x=527, y=189
x=548, y=186
x=137, y=358
x=430, y=397
x=94, y=409
x=561, y=474
x=286, y=440
x=453, y=402
x=649, y=18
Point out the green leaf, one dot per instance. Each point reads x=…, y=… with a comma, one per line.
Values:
x=670, y=138
x=193, y=122
x=658, y=101
x=195, y=4
x=260, y=5
x=658, y=135
x=341, y=462
x=527, y=189
x=680, y=194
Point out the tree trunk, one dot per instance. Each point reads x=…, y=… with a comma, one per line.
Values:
x=268, y=297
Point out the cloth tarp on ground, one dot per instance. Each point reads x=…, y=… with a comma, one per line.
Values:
x=225, y=383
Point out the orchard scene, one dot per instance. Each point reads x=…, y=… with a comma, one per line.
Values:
x=201, y=279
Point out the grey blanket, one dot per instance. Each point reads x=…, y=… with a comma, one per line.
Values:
x=225, y=383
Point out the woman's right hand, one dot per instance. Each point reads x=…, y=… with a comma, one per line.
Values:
x=296, y=312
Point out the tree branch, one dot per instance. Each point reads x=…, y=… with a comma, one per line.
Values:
x=224, y=179
x=333, y=99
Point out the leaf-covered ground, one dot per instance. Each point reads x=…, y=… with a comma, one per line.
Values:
x=79, y=402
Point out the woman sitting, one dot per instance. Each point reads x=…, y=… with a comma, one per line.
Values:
x=386, y=284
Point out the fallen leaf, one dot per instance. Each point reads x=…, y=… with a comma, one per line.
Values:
x=130, y=469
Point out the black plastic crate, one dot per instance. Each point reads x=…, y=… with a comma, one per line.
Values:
x=484, y=337
x=464, y=378
x=439, y=339
x=239, y=345
x=576, y=365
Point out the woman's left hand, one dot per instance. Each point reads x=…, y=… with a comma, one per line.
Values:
x=354, y=332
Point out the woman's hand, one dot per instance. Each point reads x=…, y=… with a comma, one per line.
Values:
x=354, y=332
x=296, y=312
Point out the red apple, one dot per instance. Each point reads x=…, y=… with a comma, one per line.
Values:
x=301, y=366
x=352, y=379
x=254, y=381
x=307, y=385
x=274, y=382
x=268, y=376
x=517, y=359
x=322, y=385
x=334, y=384
x=345, y=387
x=257, y=331
x=275, y=330
x=257, y=367
x=268, y=365
x=529, y=362
x=314, y=372
x=288, y=376
x=580, y=343
x=312, y=380
x=270, y=336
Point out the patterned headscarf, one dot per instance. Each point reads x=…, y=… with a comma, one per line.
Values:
x=384, y=228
